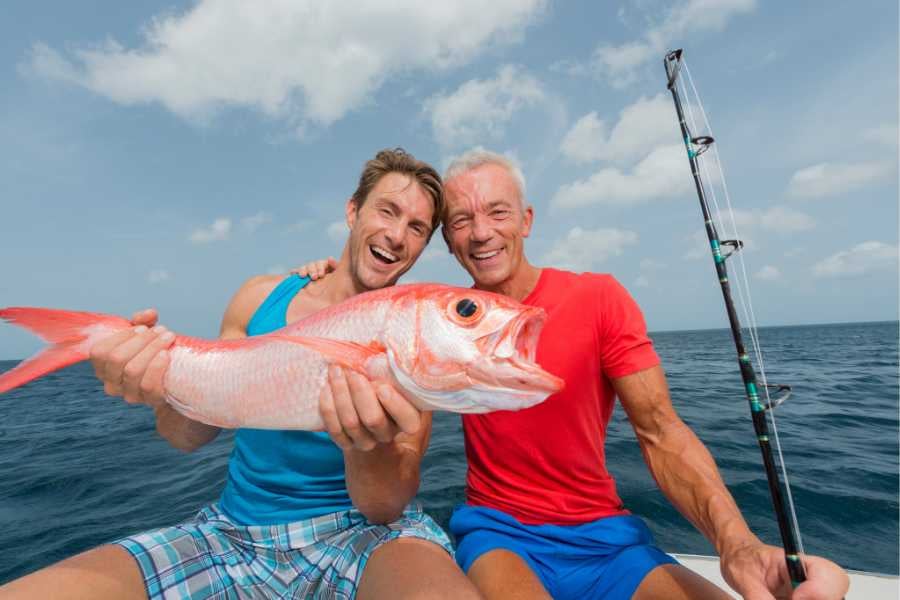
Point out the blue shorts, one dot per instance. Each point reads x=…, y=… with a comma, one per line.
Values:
x=212, y=557
x=607, y=558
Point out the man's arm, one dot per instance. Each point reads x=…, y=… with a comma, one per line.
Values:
x=687, y=474
x=382, y=481
x=133, y=364
x=682, y=466
x=383, y=437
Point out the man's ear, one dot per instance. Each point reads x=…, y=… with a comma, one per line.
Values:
x=528, y=220
x=350, y=212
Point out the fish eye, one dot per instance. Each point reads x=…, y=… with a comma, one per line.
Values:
x=466, y=308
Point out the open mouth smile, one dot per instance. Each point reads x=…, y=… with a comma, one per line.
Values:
x=486, y=255
x=383, y=255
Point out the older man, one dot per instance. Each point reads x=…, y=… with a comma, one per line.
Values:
x=542, y=517
x=300, y=517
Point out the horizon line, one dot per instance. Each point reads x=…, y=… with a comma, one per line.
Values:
x=831, y=324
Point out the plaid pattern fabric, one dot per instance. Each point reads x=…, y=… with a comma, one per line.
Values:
x=212, y=558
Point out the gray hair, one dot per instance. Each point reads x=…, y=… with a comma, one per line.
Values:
x=479, y=156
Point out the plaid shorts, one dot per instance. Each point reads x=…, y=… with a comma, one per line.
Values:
x=324, y=557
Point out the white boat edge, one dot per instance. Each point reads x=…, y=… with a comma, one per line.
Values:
x=863, y=585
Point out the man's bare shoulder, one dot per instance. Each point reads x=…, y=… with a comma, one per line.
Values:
x=246, y=300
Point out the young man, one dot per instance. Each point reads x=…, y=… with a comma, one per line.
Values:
x=542, y=516
x=299, y=517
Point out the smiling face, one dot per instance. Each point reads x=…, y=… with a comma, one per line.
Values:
x=486, y=224
x=388, y=231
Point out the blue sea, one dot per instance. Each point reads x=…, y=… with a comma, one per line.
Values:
x=78, y=468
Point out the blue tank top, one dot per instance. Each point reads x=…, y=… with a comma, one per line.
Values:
x=282, y=476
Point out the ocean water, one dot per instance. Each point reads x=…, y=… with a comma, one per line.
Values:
x=78, y=468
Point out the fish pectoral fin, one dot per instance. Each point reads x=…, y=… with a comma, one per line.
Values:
x=347, y=354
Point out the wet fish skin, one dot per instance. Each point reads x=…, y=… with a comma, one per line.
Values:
x=444, y=348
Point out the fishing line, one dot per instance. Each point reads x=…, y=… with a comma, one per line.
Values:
x=696, y=146
x=743, y=287
x=721, y=225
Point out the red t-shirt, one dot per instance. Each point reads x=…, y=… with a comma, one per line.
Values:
x=546, y=464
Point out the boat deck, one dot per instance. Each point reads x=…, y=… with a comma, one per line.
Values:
x=863, y=586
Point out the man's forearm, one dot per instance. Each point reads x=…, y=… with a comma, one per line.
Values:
x=688, y=476
x=381, y=482
x=183, y=433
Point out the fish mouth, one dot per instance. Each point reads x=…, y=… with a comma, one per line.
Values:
x=511, y=354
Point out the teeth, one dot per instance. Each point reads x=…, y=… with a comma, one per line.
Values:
x=484, y=255
x=384, y=253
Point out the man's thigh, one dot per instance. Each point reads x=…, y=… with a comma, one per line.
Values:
x=104, y=572
x=504, y=575
x=676, y=582
x=408, y=568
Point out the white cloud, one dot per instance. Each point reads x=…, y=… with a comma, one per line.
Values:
x=621, y=64
x=642, y=126
x=779, y=219
x=157, y=276
x=300, y=60
x=585, y=141
x=337, y=231
x=662, y=174
x=299, y=226
x=699, y=245
x=481, y=108
x=858, y=260
x=768, y=273
x=829, y=179
x=786, y=220
x=256, y=221
x=582, y=249
x=648, y=266
x=885, y=134
x=218, y=231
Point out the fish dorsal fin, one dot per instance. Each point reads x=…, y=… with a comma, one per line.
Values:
x=347, y=354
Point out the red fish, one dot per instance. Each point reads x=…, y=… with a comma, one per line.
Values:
x=445, y=348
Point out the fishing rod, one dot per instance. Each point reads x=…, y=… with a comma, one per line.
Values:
x=695, y=147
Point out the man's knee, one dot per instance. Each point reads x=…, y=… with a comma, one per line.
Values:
x=678, y=582
x=104, y=572
x=414, y=569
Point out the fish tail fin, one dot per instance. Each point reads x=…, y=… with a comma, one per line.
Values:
x=71, y=334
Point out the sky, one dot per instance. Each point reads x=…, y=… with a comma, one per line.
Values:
x=159, y=154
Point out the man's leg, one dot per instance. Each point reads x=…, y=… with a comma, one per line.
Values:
x=676, y=582
x=504, y=575
x=409, y=568
x=104, y=572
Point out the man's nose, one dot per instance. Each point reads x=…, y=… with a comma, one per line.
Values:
x=394, y=233
x=480, y=229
